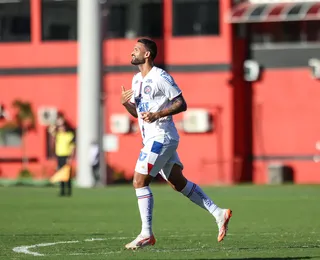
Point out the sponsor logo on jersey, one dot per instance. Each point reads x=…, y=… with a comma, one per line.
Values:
x=143, y=107
x=149, y=81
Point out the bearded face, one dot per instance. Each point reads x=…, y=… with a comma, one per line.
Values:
x=138, y=54
x=137, y=60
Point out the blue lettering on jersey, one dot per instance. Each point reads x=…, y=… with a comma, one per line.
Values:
x=143, y=107
x=137, y=100
x=168, y=78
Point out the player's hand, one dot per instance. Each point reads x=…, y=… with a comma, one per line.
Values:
x=150, y=117
x=125, y=95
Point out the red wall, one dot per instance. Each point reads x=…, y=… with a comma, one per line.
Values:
x=286, y=121
x=284, y=104
x=51, y=90
x=208, y=158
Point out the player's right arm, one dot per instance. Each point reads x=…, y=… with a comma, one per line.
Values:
x=126, y=97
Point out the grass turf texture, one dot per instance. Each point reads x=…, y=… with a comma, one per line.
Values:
x=269, y=222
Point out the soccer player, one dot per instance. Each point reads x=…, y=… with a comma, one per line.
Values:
x=154, y=99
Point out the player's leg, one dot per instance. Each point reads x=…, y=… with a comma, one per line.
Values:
x=189, y=189
x=69, y=184
x=152, y=158
x=61, y=160
x=145, y=203
x=62, y=192
x=175, y=177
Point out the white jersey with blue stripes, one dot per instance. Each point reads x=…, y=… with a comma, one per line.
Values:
x=154, y=93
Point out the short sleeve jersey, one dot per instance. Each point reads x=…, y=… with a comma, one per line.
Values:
x=154, y=93
x=64, y=143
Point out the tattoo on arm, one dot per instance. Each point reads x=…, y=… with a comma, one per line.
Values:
x=178, y=105
x=131, y=108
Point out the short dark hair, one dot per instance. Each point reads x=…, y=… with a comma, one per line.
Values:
x=150, y=46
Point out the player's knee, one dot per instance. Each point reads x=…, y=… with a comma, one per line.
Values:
x=179, y=186
x=140, y=180
x=138, y=184
x=176, y=179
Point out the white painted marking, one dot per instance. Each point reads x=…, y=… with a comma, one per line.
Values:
x=94, y=239
x=106, y=253
x=108, y=238
x=25, y=249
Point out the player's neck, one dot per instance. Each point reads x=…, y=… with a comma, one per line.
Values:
x=145, y=68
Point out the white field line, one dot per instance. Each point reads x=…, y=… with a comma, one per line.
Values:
x=26, y=249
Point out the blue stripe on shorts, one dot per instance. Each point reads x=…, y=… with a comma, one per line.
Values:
x=156, y=147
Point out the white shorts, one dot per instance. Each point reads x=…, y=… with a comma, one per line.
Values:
x=156, y=157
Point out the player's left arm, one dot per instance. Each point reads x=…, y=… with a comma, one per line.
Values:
x=174, y=94
x=178, y=105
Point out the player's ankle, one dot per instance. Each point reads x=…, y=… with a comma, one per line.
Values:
x=146, y=233
x=216, y=212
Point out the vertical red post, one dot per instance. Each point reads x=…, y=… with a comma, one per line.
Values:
x=35, y=11
x=167, y=27
x=242, y=106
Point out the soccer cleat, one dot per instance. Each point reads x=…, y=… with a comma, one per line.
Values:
x=140, y=242
x=222, y=222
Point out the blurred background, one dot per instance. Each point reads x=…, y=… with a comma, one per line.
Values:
x=249, y=71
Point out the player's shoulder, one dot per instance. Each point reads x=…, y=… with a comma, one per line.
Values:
x=164, y=75
x=160, y=72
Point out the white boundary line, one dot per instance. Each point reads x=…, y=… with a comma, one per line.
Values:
x=26, y=249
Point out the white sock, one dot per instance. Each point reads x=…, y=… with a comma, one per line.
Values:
x=145, y=202
x=196, y=195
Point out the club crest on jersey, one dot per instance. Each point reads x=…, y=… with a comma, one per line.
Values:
x=147, y=90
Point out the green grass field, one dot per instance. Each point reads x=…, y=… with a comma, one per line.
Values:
x=269, y=222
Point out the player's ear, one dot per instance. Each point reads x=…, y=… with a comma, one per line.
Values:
x=147, y=54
